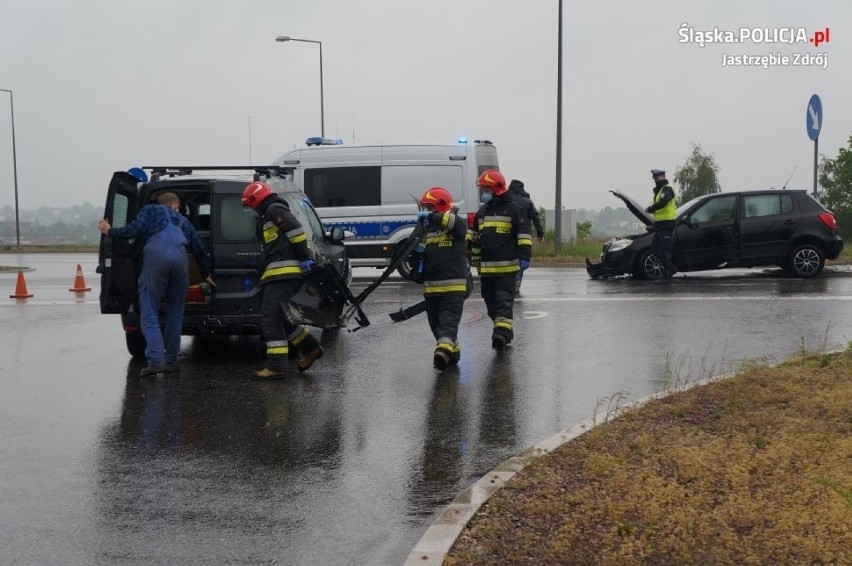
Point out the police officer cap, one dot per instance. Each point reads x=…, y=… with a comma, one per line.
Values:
x=657, y=172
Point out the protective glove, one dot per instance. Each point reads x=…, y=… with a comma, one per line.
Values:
x=420, y=247
x=423, y=216
x=648, y=209
x=525, y=264
x=307, y=265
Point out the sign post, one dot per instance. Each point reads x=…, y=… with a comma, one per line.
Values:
x=813, y=123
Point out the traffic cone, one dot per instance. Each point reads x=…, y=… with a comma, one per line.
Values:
x=79, y=282
x=21, y=288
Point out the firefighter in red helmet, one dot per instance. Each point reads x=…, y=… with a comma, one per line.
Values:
x=284, y=262
x=501, y=245
x=443, y=268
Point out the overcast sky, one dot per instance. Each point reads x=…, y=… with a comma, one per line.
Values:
x=104, y=85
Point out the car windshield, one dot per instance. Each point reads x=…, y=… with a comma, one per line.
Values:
x=304, y=212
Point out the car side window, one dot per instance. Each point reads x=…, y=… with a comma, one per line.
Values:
x=715, y=210
x=767, y=205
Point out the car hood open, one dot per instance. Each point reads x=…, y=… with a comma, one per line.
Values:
x=634, y=207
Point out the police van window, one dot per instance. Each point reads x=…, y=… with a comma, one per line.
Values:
x=402, y=182
x=344, y=186
x=119, y=211
x=236, y=224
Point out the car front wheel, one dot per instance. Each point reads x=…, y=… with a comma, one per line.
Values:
x=806, y=261
x=649, y=266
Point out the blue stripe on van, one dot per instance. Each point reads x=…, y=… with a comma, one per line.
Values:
x=370, y=229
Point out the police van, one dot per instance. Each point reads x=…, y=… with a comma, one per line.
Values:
x=370, y=190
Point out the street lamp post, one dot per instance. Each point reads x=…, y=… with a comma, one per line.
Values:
x=283, y=38
x=14, y=168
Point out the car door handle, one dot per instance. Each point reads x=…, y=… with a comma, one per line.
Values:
x=789, y=221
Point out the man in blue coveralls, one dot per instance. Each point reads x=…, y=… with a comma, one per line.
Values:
x=165, y=275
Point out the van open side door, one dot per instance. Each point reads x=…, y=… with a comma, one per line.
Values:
x=119, y=259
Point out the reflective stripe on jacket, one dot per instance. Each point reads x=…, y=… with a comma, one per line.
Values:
x=500, y=237
x=284, y=243
x=445, y=264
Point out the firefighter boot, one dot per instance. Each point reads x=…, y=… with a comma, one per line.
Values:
x=441, y=360
x=269, y=374
x=498, y=341
x=308, y=359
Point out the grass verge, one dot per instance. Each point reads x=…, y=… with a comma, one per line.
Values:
x=753, y=469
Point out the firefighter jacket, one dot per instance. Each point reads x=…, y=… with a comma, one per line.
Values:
x=445, y=266
x=500, y=237
x=284, y=241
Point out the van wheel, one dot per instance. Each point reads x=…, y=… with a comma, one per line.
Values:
x=806, y=261
x=135, y=344
x=406, y=267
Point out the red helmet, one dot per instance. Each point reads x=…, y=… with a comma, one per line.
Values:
x=438, y=197
x=254, y=193
x=494, y=180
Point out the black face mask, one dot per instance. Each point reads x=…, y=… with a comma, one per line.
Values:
x=660, y=182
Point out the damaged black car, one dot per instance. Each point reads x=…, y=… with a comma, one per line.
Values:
x=784, y=228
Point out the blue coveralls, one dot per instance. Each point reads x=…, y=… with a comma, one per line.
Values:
x=164, y=276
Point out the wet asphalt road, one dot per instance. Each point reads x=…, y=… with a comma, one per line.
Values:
x=349, y=464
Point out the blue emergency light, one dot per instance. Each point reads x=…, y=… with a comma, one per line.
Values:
x=323, y=141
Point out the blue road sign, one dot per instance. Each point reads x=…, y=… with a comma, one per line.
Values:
x=814, y=117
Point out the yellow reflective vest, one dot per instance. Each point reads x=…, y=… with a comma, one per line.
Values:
x=669, y=211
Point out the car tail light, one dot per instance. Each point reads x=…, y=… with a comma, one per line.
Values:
x=828, y=219
x=471, y=218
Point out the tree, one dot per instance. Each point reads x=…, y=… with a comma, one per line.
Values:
x=697, y=176
x=835, y=178
x=584, y=230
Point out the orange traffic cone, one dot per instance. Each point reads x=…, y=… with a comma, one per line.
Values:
x=21, y=288
x=79, y=282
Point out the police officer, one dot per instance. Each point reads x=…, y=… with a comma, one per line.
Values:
x=664, y=209
x=443, y=268
x=501, y=244
x=284, y=263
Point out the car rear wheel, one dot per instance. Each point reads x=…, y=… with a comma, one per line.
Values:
x=806, y=260
x=135, y=344
x=649, y=266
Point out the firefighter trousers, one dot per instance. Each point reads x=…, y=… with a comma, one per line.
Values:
x=277, y=328
x=444, y=314
x=499, y=295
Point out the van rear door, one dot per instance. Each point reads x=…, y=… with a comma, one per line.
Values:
x=235, y=250
x=118, y=259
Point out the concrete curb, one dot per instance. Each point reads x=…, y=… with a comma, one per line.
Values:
x=433, y=546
